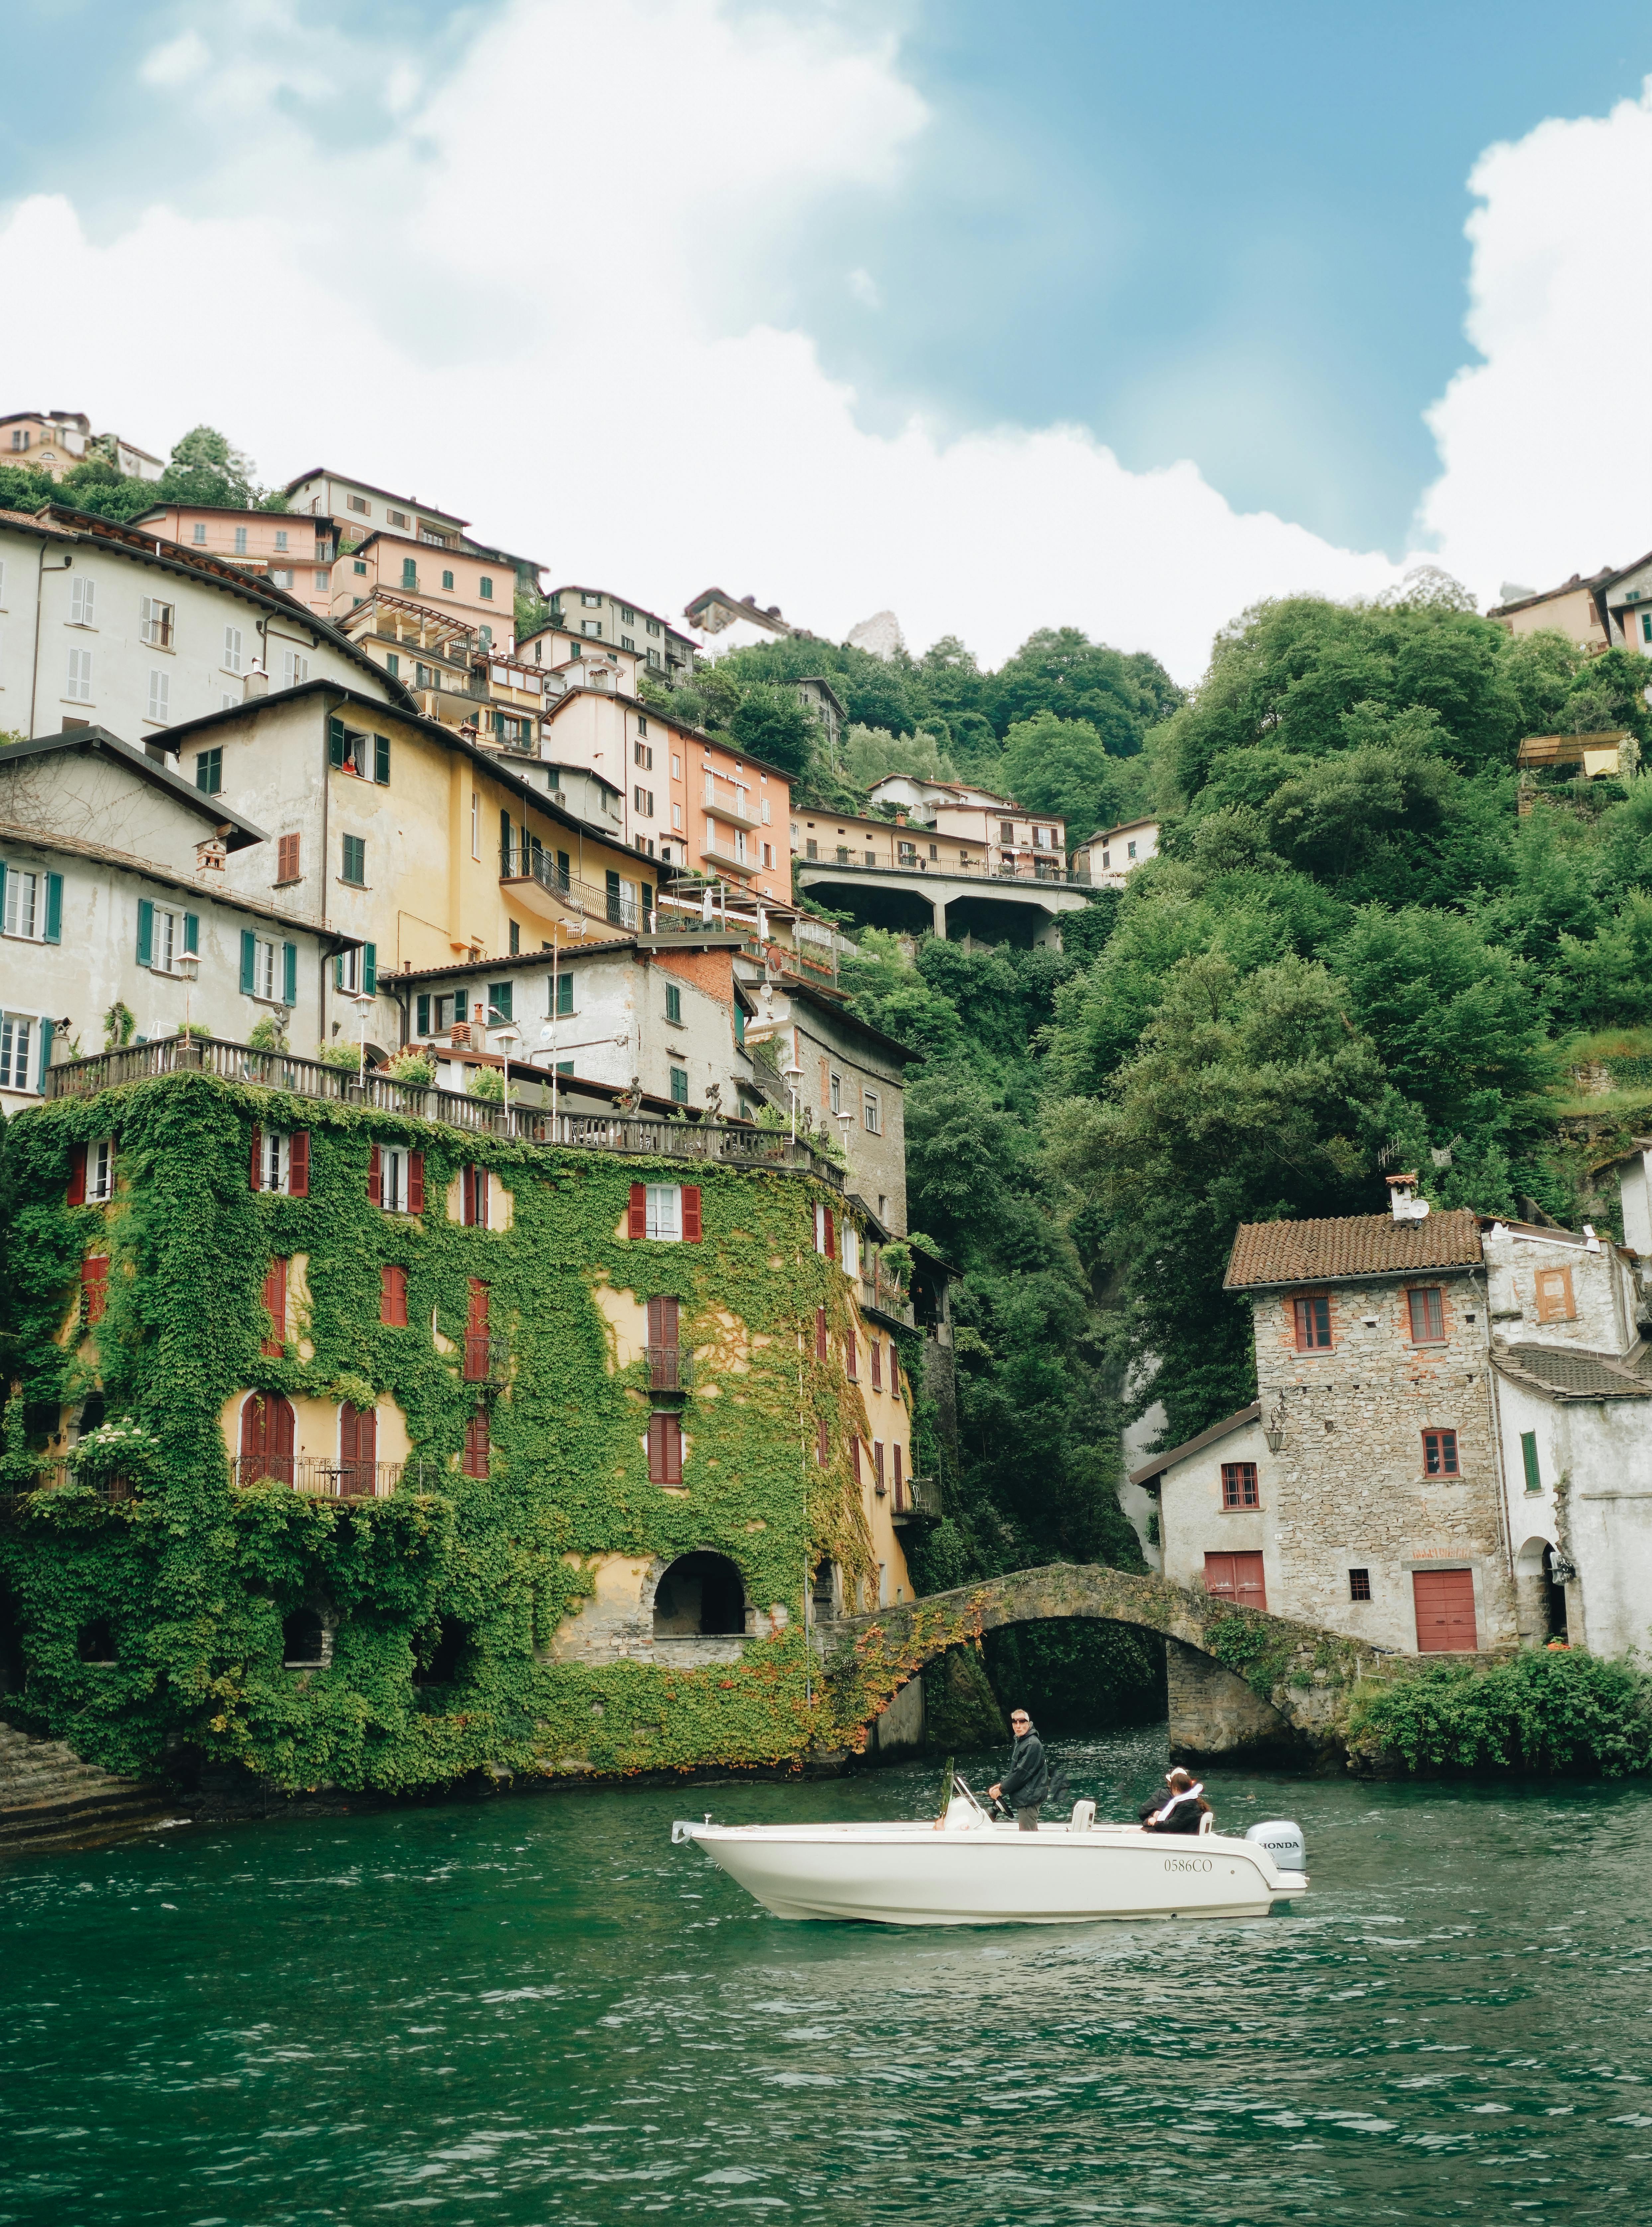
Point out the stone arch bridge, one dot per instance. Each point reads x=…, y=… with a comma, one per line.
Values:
x=1244, y=1686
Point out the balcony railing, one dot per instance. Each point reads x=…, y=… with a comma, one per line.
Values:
x=1018, y=871
x=531, y=863
x=321, y=1479
x=56, y=1470
x=486, y=1358
x=885, y=1295
x=917, y=1500
x=531, y=1123
x=671, y=1367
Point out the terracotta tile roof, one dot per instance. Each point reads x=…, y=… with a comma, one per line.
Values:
x=1358, y=1245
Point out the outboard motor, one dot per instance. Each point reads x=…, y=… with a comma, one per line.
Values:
x=1284, y=1843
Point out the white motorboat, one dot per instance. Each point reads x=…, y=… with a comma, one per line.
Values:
x=970, y=1868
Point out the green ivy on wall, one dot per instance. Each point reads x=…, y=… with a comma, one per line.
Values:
x=467, y=1577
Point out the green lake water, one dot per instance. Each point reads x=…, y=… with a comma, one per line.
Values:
x=537, y=2010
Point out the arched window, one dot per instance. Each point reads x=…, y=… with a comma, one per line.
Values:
x=95, y=1642
x=700, y=1596
x=268, y=1430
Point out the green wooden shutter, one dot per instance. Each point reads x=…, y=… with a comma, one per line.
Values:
x=192, y=934
x=145, y=932
x=338, y=971
x=506, y=836
x=47, y=1030
x=1529, y=1456
x=53, y=908
x=424, y=1027
x=370, y=968
x=740, y=1025
x=249, y=961
x=2, y=889
x=381, y=760
x=289, y=973
x=336, y=742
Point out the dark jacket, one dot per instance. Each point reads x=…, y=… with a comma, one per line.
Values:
x=1183, y=1818
x=1026, y=1777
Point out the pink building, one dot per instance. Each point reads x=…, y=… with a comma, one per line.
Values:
x=294, y=553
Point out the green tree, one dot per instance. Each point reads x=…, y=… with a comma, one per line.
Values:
x=1061, y=670
x=204, y=468
x=770, y=722
x=1062, y=766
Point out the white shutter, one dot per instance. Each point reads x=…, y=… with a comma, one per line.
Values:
x=79, y=686
x=232, y=649
x=146, y=620
x=83, y=597
x=160, y=696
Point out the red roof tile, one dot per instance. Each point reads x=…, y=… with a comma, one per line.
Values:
x=1358, y=1245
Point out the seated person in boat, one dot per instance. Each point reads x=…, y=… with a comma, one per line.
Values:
x=1026, y=1782
x=1179, y=1808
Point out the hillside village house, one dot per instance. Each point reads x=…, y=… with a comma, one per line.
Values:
x=595, y=614
x=113, y=892
x=991, y=829
x=1571, y=610
x=1109, y=857
x=849, y=1077
x=48, y=440
x=104, y=625
x=356, y=508
x=1452, y=1446
x=419, y=842
x=479, y=591
x=294, y=554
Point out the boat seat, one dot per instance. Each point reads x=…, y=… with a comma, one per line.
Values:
x=1207, y=1824
x=1083, y=1817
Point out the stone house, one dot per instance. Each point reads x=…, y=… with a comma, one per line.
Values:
x=1362, y=1492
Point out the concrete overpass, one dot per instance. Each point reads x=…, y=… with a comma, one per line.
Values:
x=1021, y=909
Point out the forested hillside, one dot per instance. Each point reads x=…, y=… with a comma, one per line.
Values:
x=1355, y=954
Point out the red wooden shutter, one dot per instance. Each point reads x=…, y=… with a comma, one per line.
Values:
x=656, y=1321
x=665, y=1450
x=854, y=1460
x=476, y=1448
x=75, y=1195
x=94, y=1287
x=851, y=1358
x=691, y=1213
x=358, y=1450
x=638, y=1218
x=415, y=1183
x=877, y=1364
x=1236, y=1577
x=819, y=1333
x=375, y=1187
x=1445, y=1601
x=831, y=1235
x=267, y=1430
x=878, y=1463
x=475, y=1334
x=257, y=1157
x=393, y=1296
x=298, y=1164
x=274, y=1302
x=900, y=1482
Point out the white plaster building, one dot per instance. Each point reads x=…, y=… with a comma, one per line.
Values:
x=1111, y=857
x=112, y=892
x=103, y=626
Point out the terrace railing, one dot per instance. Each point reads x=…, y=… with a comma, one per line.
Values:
x=703, y=1142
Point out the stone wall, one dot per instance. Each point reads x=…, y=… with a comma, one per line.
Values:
x=1349, y=1487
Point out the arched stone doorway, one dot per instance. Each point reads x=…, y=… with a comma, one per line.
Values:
x=699, y=1596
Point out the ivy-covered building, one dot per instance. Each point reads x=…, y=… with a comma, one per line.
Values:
x=369, y=1435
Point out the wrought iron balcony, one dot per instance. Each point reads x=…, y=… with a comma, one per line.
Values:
x=318, y=1478
x=671, y=1367
x=917, y=1501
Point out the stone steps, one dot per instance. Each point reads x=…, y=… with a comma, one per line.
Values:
x=47, y=1794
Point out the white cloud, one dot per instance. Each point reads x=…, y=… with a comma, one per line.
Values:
x=1547, y=468
x=540, y=301
x=176, y=63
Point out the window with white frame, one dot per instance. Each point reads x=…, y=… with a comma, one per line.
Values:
x=200, y=534
x=835, y=1087
x=392, y=1180
x=83, y=601
x=872, y=1112
x=266, y=970
x=160, y=697
x=25, y=913
x=77, y=685
x=664, y=1211
x=851, y=1249
x=154, y=622
x=167, y=942
x=274, y=1160
x=233, y=650
x=349, y=971
x=16, y=1042
x=294, y=669
x=100, y=1170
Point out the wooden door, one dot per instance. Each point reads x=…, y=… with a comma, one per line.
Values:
x=1444, y=1611
x=268, y=1429
x=1236, y=1577
x=358, y=1446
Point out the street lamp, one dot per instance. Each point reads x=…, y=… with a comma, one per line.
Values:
x=188, y=964
x=509, y=1036
x=793, y=1074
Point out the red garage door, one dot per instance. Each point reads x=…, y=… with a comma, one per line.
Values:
x=1444, y=1611
x=1237, y=1577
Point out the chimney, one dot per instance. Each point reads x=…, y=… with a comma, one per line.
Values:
x=1403, y=1201
x=900, y=815
x=210, y=855
x=257, y=682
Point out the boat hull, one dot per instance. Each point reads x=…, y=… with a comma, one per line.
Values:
x=912, y=1875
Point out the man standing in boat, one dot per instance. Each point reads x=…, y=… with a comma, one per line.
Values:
x=1026, y=1782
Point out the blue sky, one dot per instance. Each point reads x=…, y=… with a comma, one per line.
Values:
x=1229, y=234
x=997, y=316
